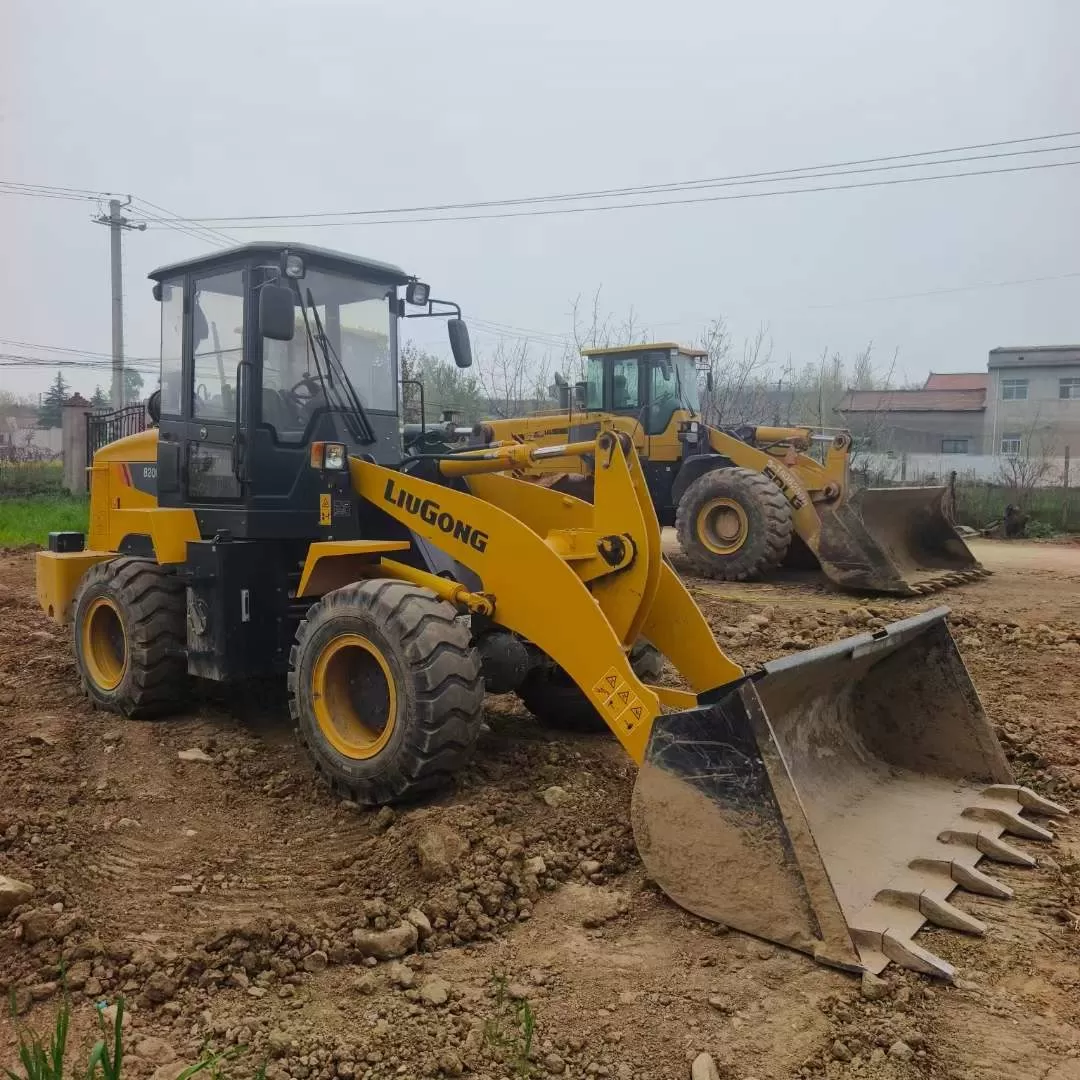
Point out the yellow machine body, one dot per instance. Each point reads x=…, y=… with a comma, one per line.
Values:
x=895, y=540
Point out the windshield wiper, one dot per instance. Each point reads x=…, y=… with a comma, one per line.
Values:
x=339, y=391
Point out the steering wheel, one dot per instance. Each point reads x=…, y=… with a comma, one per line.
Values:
x=308, y=383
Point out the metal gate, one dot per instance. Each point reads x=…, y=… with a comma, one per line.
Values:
x=103, y=428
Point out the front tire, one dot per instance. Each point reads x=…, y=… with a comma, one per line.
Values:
x=131, y=636
x=734, y=524
x=555, y=699
x=386, y=690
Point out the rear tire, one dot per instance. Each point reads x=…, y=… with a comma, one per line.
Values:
x=131, y=636
x=555, y=699
x=386, y=690
x=734, y=524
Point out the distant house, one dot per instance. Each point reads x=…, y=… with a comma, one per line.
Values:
x=931, y=420
x=961, y=380
x=1027, y=402
x=1033, y=400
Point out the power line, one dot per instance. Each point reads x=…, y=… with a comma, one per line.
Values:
x=678, y=202
x=68, y=349
x=21, y=360
x=737, y=179
x=175, y=221
x=50, y=191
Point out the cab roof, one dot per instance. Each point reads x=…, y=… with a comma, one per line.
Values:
x=647, y=346
x=324, y=257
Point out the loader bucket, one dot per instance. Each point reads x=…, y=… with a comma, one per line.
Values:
x=894, y=540
x=833, y=801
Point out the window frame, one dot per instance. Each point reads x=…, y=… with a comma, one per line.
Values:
x=633, y=361
x=192, y=281
x=181, y=285
x=1018, y=439
x=1071, y=383
x=1014, y=385
x=964, y=440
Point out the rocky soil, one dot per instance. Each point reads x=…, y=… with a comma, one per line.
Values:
x=196, y=868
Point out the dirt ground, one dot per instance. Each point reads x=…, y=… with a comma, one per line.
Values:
x=233, y=901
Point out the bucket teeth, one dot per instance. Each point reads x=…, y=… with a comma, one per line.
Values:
x=1009, y=820
x=967, y=877
x=939, y=912
x=988, y=845
x=1027, y=799
x=905, y=952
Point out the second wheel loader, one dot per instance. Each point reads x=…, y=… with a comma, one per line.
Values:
x=742, y=499
x=268, y=524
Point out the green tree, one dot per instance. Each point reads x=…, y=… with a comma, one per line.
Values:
x=133, y=384
x=55, y=396
x=100, y=400
x=446, y=388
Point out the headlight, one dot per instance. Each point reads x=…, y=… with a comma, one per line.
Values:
x=334, y=457
x=417, y=292
x=294, y=266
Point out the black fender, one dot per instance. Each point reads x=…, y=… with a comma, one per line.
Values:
x=694, y=467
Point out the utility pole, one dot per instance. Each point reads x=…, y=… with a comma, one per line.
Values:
x=117, y=223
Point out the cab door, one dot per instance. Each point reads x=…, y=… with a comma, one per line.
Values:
x=626, y=396
x=212, y=466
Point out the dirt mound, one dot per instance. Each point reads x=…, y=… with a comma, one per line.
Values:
x=505, y=928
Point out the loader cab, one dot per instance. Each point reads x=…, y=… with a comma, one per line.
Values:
x=269, y=352
x=651, y=383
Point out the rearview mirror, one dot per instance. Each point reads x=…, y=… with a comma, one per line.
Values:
x=709, y=381
x=579, y=395
x=276, y=318
x=460, y=345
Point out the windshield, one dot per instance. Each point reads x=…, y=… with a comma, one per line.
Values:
x=356, y=316
x=686, y=376
x=674, y=386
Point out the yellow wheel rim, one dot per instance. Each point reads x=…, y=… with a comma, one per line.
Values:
x=354, y=696
x=722, y=526
x=104, y=643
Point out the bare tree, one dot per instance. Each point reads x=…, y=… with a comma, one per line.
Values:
x=740, y=380
x=513, y=378
x=1030, y=467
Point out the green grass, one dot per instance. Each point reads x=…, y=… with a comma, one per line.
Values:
x=30, y=519
x=31, y=477
x=41, y=1059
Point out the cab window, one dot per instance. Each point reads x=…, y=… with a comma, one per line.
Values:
x=172, y=348
x=624, y=384
x=663, y=395
x=594, y=383
x=217, y=344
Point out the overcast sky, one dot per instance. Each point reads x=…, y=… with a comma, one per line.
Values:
x=229, y=107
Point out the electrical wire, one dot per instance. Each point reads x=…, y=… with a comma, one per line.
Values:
x=737, y=179
x=217, y=237
x=677, y=202
x=50, y=191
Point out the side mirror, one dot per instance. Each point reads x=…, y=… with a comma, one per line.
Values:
x=562, y=391
x=460, y=345
x=579, y=395
x=709, y=381
x=277, y=320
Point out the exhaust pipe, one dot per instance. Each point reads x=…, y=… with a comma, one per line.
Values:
x=833, y=801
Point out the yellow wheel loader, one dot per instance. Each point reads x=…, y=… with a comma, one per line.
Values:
x=268, y=524
x=743, y=499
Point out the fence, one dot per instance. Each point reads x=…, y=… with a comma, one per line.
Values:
x=982, y=486
x=929, y=469
x=104, y=428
